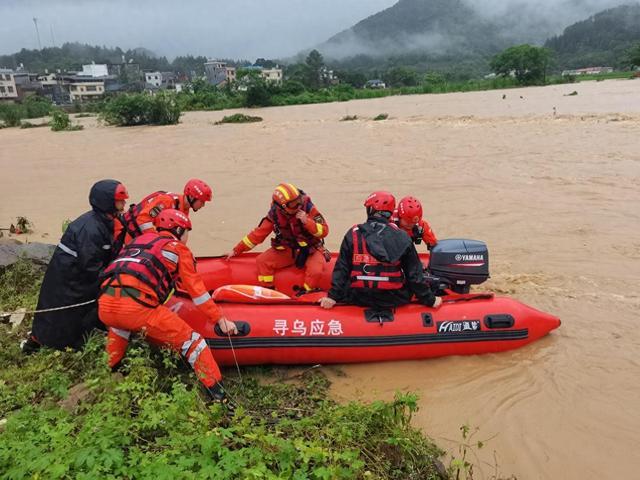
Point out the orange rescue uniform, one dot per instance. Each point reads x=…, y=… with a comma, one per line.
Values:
x=139, y=218
x=292, y=237
x=121, y=307
x=428, y=237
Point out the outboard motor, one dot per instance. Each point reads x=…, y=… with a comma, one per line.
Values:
x=459, y=263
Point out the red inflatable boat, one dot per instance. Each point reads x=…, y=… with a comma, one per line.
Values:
x=276, y=327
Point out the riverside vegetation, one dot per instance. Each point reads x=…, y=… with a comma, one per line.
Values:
x=306, y=85
x=67, y=416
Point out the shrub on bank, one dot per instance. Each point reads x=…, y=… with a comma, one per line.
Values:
x=141, y=109
x=32, y=107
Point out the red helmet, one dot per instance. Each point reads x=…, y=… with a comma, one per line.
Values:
x=381, y=201
x=172, y=220
x=198, y=190
x=287, y=196
x=120, y=193
x=410, y=209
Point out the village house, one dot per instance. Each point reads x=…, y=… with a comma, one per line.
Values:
x=8, y=89
x=219, y=73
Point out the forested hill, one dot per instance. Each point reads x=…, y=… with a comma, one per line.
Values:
x=602, y=39
x=71, y=56
x=431, y=25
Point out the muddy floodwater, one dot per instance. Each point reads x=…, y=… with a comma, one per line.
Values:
x=551, y=182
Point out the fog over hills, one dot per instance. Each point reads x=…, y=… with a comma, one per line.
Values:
x=443, y=27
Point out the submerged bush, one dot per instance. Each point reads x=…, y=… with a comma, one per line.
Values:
x=141, y=109
x=381, y=116
x=239, y=118
x=60, y=122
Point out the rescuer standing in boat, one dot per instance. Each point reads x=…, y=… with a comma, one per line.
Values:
x=72, y=276
x=139, y=218
x=299, y=230
x=139, y=282
x=378, y=265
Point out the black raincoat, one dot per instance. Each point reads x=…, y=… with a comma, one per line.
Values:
x=73, y=275
x=387, y=244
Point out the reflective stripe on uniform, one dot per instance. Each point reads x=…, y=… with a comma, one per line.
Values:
x=146, y=226
x=66, y=249
x=372, y=278
x=170, y=256
x=248, y=242
x=320, y=230
x=196, y=352
x=307, y=287
x=303, y=243
x=187, y=345
x=265, y=278
x=279, y=247
x=201, y=299
x=127, y=259
x=121, y=333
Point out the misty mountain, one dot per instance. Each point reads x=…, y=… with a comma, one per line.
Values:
x=600, y=40
x=455, y=36
x=435, y=27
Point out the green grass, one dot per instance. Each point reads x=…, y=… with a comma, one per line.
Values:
x=153, y=423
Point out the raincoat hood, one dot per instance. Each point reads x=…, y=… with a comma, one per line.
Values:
x=383, y=241
x=102, y=196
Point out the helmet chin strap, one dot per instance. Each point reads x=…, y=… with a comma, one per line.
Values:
x=190, y=201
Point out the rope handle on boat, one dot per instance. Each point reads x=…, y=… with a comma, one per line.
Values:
x=45, y=310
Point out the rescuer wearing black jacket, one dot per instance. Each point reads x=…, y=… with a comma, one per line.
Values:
x=378, y=265
x=73, y=274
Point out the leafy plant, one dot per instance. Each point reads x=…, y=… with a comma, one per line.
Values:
x=11, y=116
x=349, y=118
x=65, y=224
x=60, y=122
x=381, y=116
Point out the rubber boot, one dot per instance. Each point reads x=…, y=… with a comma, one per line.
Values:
x=217, y=394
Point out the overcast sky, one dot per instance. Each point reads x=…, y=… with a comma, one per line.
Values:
x=227, y=29
x=240, y=29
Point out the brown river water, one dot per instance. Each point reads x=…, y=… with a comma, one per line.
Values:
x=551, y=182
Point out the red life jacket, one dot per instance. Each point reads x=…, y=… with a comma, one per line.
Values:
x=289, y=231
x=369, y=272
x=144, y=259
x=129, y=219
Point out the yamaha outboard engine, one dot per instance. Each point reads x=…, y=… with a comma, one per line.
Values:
x=459, y=263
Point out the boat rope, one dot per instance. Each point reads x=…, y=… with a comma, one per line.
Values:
x=235, y=359
x=45, y=310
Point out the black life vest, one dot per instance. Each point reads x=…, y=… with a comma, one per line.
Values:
x=369, y=272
